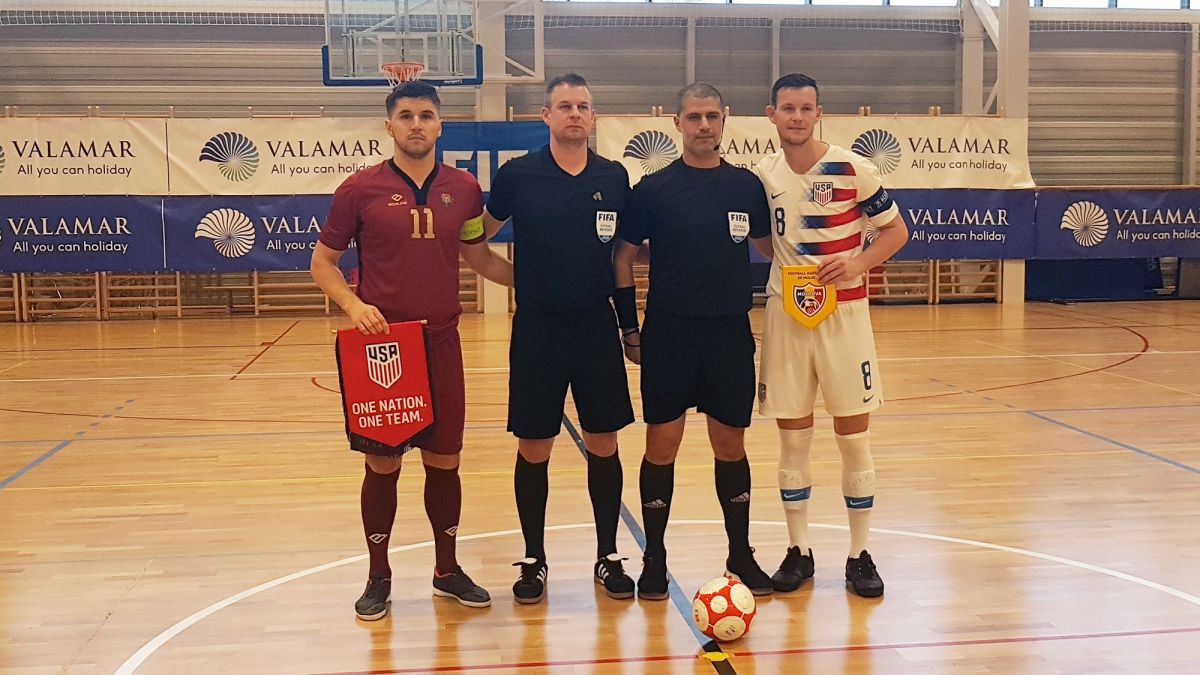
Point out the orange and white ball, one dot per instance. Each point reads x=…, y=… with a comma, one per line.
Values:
x=723, y=609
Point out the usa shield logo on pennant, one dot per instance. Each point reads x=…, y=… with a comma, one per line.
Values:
x=606, y=225
x=823, y=193
x=383, y=364
x=739, y=226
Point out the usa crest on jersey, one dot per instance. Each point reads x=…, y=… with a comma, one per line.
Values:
x=383, y=363
x=606, y=225
x=739, y=226
x=806, y=300
x=823, y=193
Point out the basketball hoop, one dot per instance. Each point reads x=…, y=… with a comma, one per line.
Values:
x=402, y=71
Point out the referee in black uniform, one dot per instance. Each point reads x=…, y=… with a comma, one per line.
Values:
x=565, y=202
x=696, y=348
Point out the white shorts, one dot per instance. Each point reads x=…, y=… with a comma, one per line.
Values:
x=838, y=355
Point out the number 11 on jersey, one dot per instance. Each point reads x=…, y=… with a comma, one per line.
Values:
x=416, y=218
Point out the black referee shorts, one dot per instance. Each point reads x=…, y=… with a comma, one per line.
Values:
x=550, y=352
x=701, y=362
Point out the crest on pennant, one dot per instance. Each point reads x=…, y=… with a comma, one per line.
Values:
x=383, y=363
x=805, y=299
x=823, y=193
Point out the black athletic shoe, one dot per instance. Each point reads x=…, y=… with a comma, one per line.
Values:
x=795, y=569
x=375, y=600
x=459, y=586
x=861, y=577
x=652, y=584
x=531, y=586
x=610, y=573
x=746, y=570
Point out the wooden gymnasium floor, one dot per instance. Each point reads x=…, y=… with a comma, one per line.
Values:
x=176, y=497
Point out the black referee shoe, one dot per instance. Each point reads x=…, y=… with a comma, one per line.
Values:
x=862, y=578
x=610, y=573
x=746, y=570
x=375, y=600
x=531, y=585
x=795, y=569
x=652, y=584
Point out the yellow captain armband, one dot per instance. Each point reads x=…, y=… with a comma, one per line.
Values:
x=472, y=229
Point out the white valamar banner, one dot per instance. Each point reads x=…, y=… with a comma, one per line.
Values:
x=646, y=144
x=938, y=152
x=272, y=156
x=910, y=152
x=82, y=156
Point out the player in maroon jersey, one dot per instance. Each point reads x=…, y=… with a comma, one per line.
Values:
x=411, y=217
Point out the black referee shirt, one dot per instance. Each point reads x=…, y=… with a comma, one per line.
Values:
x=698, y=222
x=564, y=228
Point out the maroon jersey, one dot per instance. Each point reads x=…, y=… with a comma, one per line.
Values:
x=408, y=238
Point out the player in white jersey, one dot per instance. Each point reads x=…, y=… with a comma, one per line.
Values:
x=822, y=198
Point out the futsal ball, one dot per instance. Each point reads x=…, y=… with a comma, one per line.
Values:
x=723, y=609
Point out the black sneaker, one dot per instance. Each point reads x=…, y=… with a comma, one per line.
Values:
x=531, y=586
x=795, y=569
x=746, y=570
x=862, y=578
x=652, y=584
x=459, y=586
x=610, y=573
x=375, y=600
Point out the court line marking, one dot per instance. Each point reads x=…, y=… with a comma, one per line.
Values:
x=139, y=657
x=268, y=345
x=558, y=472
x=1119, y=444
x=55, y=450
x=776, y=652
x=504, y=369
x=14, y=367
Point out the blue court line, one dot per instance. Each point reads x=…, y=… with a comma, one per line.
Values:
x=34, y=464
x=673, y=590
x=1119, y=444
x=58, y=448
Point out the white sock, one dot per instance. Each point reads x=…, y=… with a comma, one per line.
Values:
x=858, y=487
x=795, y=482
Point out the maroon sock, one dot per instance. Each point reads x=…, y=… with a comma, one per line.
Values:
x=378, y=500
x=443, y=504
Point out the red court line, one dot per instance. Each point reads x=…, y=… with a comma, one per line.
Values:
x=270, y=344
x=969, y=643
x=776, y=652
x=1145, y=348
x=318, y=385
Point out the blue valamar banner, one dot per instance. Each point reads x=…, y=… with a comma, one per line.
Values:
x=81, y=234
x=975, y=224
x=1142, y=223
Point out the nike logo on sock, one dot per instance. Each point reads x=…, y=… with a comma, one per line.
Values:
x=795, y=495
x=863, y=503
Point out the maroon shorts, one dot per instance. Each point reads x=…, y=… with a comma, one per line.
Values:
x=443, y=353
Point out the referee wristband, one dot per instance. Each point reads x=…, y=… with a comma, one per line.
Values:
x=625, y=302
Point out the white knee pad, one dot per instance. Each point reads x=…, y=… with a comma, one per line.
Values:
x=858, y=469
x=795, y=466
